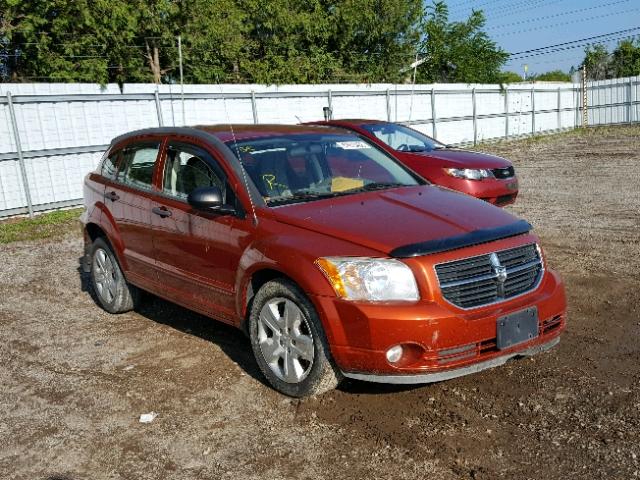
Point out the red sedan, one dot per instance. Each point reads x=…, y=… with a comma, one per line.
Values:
x=481, y=175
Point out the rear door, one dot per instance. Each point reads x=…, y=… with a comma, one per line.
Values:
x=197, y=253
x=129, y=201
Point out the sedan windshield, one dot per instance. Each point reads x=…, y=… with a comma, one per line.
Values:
x=403, y=139
x=304, y=167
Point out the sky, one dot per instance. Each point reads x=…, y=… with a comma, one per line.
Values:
x=520, y=25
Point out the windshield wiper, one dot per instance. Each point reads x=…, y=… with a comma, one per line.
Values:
x=369, y=187
x=301, y=196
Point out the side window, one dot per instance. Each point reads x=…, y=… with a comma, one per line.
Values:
x=110, y=165
x=138, y=163
x=188, y=167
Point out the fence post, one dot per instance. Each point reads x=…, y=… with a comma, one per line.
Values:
x=559, y=108
x=585, y=103
x=330, y=104
x=630, y=110
x=158, y=109
x=388, y=105
x=254, y=107
x=434, y=129
x=23, y=170
x=533, y=110
x=475, y=119
x=506, y=112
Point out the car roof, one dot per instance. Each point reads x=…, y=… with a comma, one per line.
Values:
x=350, y=121
x=227, y=132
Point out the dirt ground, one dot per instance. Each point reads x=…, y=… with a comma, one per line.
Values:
x=74, y=380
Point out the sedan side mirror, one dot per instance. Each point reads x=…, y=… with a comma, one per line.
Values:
x=209, y=199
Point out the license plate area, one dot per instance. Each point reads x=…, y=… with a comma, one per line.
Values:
x=516, y=328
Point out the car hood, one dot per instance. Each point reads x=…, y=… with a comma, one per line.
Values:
x=390, y=219
x=460, y=158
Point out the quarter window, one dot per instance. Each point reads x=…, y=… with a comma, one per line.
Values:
x=110, y=165
x=138, y=166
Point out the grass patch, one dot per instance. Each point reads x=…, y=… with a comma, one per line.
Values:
x=47, y=225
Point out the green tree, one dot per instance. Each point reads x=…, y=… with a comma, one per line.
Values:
x=374, y=39
x=553, y=76
x=597, y=62
x=458, y=51
x=625, y=61
x=510, y=77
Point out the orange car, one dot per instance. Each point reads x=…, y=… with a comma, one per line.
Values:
x=336, y=259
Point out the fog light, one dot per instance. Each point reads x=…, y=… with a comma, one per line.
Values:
x=394, y=354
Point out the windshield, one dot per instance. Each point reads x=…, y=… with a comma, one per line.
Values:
x=304, y=167
x=403, y=139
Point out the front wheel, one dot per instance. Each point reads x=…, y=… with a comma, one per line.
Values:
x=288, y=341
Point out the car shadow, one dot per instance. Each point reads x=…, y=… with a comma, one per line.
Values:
x=360, y=387
x=233, y=342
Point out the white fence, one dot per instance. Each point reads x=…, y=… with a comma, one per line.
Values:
x=51, y=135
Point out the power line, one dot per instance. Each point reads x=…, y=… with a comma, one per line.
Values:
x=571, y=22
x=510, y=9
x=561, y=14
x=536, y=4
x=571, y=47
x=628, y=30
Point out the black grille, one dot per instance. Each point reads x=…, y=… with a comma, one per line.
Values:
x=474, y=281
x=507, y=172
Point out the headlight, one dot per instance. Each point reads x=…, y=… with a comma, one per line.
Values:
x=369, y=279
x=469, y=173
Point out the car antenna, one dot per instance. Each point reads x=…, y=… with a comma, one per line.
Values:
x=245, y=177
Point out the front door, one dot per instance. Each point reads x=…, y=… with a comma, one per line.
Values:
x=196, y=253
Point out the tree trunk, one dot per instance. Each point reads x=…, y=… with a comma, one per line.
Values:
x=153, y=57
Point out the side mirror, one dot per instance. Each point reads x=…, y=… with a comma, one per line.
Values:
x=209, y=199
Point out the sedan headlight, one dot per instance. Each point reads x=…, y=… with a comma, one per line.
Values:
x=469, y=173
x=369, y=279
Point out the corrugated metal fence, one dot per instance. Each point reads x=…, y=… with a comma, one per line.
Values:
x=51, y=135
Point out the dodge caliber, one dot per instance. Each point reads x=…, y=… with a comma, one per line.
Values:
x=335, y=259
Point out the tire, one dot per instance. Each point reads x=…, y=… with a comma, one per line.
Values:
x=290, y=348
x=112, y=291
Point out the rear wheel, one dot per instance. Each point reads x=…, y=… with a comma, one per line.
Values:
x=288, y=341
x=113, y=292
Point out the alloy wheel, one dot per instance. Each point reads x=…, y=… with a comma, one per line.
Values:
x=104, y=275
x=285, y=340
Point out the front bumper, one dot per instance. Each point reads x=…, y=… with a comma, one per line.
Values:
x=454, y=373
x=443, y=341
x=499, y=192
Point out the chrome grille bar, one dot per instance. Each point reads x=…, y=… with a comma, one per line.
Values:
x=490, y=278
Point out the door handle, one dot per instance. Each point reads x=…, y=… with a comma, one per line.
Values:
x=162, y=211
x=113, y=196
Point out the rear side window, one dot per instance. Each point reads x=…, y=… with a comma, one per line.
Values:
x=138, y=164
x=110, y=165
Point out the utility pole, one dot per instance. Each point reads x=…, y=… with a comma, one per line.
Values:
x=184, y=122
x=585, y=106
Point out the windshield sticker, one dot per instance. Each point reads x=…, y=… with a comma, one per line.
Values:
x=353, y=145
